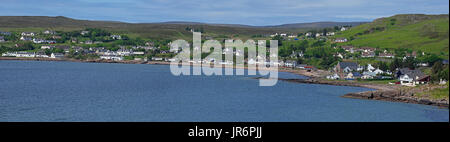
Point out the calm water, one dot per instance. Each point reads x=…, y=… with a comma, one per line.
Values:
x=67, y=91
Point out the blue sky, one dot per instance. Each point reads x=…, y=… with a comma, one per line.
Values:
x=249, y=12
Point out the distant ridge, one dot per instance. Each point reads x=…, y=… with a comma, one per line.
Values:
x=41, y=21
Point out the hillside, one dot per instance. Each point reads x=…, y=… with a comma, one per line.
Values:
x=166, y=30
x=427, y=33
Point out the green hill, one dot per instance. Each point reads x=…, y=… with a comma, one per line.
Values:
x=166, y=30
x=427, y=33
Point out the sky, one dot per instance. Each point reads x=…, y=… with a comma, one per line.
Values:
x=247, y=12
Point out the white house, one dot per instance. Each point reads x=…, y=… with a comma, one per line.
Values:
x=340, y=40
x=28, y=34
x=116, y=37
x=25, y=54
x=370, y=68
x=343, y=29
x=334, y=76
x=56, y=55
x=112, y=57
x=378, y=71
x=47, y=47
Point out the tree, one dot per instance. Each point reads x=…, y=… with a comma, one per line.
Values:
x=436, y=71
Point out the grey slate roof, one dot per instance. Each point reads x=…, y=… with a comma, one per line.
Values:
x=351, y=65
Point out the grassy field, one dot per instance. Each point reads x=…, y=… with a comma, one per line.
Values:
x=439, y=93
x=427, y=33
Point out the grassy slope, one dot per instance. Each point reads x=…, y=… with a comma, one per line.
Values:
x=144, y=30
x=428, y=33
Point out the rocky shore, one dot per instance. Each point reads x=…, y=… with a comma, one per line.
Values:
x=384, y=92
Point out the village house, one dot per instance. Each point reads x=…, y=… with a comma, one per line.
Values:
x=25, y=54
x=25, y=38
x=84, y=32
x=408, y=55
x=348, y=48
x=56, y=55
x=318, y=34
x=28, y=34
x=9, y=54
x=47, y=47
x=340, y=40
x=308, y=34
x=49, y=32
x=368, y=75
x=41, y=54
x=292, y=36
x=342, y=67
x=111, y=57
x=157, y=59
x=5, y=33
x=367, y=49
x=410, y=77
x=352, y=75
x=386, y=55
x=330, y=34
x=116, y=37
x=333, y=77
x=367, y=54
x=290, y=63
x=2, y=39
x=343, y=29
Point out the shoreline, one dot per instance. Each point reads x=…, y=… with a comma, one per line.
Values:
x=383, y=92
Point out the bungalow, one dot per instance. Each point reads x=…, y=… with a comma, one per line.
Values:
x=38, y=40
x=368, y=75
x=84, y=32
x=308, y=34
x=25, y=54
x=5, y=33
x=292, y=36
x=116, y=37
x=368, y=54
x=157, y=59
x=378, y=71
x=28, y=34
x=124, y=52
x=318, y=34
x=413, y=54
x=47, y=47
x=352, y=75
x=334, y=76
x=41, y=54
x=386, y=55
x=340, y=40
x=24, y=38
x=49, y=32
x=138, y=53
x=348, y=48
x=112, y=57
x=56, y=55
x=367, y=49
x=290, y=63
x=330, y=34
x=9, y=54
